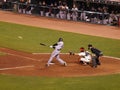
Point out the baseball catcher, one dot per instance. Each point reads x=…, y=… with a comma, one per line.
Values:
x=85, y=57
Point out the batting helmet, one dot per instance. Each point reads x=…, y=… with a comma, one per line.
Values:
x=60, y=39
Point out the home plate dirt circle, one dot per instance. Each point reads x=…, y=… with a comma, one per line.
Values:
x=27, y=64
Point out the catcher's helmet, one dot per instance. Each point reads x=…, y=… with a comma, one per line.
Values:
x=82, y=49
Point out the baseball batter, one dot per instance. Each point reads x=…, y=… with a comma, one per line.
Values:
x=57, y=48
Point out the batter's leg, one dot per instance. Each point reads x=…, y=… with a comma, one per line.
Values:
x=60, y=60
x=51, y=58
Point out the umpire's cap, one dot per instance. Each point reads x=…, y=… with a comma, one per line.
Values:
x=89, y=45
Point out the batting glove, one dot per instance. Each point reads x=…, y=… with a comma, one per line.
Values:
x=51, y=46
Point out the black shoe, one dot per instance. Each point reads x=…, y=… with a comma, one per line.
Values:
x=98, y=63
x=65, y=64
x=94, y=66
x=81, y=62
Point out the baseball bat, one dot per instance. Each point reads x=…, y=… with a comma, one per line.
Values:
x=43, y=44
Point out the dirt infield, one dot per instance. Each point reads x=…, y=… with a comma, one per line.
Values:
x=27, y=64
x=20, y=63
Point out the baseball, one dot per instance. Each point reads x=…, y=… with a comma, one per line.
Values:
x=20, y=37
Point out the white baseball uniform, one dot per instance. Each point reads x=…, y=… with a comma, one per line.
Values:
x=85, y=56
x=56, y=52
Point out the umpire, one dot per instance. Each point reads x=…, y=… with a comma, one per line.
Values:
x=97, y=54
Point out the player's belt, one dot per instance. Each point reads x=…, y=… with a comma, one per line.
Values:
x=58, y=49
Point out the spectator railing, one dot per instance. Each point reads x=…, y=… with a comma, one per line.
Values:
x=60, y=13
x=109, y=2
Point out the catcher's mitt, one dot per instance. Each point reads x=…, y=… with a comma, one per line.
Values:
x=71, y=53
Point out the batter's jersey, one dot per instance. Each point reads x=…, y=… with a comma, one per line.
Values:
x=59, y=45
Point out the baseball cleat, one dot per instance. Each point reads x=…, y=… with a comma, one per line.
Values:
x=47, y=65
x=98, y=63
x=51, y=63
x=65, y=64
x=94, y=66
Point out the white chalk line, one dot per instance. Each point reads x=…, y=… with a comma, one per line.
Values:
x=46, y=53
x=112, y=57
x=76, y=54
x=2, y=69
x=22, y=56
x=36, y=60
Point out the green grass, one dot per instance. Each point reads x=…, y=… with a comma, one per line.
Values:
x=32, y=36
x=109, y=82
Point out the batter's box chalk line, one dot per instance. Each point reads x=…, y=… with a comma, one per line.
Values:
x=76, y=53
x=1, y=69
